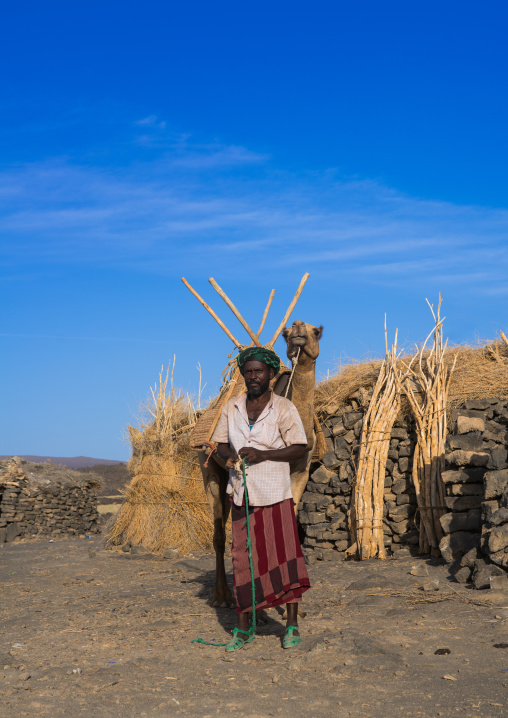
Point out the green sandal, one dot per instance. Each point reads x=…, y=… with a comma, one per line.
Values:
x=290, y=640
x=238, y=641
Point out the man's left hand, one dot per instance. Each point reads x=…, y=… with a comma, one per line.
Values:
x=251, y=456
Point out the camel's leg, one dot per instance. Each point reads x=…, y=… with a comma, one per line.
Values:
x=222, y=595
x=215, y=481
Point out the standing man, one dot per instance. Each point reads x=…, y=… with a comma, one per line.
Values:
x=266, y=431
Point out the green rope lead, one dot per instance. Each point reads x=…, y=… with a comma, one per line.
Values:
x=249, y=549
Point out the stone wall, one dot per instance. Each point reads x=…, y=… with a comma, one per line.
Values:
x=323, y=509
x=45, y=499
x=476, y=487
x=476, y=480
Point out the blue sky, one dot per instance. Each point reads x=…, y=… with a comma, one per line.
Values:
x=141, y=142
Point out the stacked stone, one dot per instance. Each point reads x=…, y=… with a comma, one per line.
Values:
x=476, y=480
x=476, y=487
x=400, y=496
x=31, y=505
x=324, y=505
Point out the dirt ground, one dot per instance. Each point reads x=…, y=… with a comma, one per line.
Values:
x=109, y=635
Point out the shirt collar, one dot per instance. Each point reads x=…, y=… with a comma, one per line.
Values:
x=241, y=404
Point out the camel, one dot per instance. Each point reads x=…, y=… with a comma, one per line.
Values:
x=303, y=348
x=302, y=342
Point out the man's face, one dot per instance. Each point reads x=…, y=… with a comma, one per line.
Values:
x=257, y=377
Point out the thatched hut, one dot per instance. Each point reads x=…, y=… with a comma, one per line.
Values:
x=165, y=503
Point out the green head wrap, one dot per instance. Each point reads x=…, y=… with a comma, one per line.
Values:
x=267, y=356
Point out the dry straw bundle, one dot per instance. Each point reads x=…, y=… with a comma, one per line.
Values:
x=366, y=512
x=426, y=384
x=164, y=502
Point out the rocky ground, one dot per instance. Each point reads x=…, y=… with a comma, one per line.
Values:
x=90, y=632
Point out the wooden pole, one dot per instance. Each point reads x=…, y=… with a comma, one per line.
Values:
x=289, y=311
x=210, y=311
x=235, y=311
x=229, y=393
x=267, y=309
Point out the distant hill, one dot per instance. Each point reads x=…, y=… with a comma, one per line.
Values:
x=114, y=477
x=72, y=462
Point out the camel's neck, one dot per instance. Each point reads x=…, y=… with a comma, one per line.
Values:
x=302, y=393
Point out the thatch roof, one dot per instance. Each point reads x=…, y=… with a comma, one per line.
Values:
x=480, y=372
x=165, y=505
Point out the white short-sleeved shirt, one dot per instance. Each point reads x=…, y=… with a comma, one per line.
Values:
x=278, y=426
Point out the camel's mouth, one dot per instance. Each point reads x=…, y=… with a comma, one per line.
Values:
x=296, y=345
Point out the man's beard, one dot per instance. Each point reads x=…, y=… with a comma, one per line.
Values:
x=254, y=391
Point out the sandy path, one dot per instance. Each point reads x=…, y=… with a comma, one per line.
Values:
x=109, y=636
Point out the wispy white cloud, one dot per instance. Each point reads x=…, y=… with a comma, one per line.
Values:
x=181, y=151
x=151, y=121
x=180, y=154
x=495, y=290
x=213, y=156
x=207, y=204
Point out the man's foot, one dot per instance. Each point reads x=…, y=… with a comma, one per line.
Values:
x=292, y=637
x=240, y=638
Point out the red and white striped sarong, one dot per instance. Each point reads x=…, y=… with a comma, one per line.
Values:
x=280, y=574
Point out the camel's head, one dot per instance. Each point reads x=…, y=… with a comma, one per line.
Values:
x=304, y=337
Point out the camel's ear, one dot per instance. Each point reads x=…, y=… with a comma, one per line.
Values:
x=318, y=332
x=285, y=333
